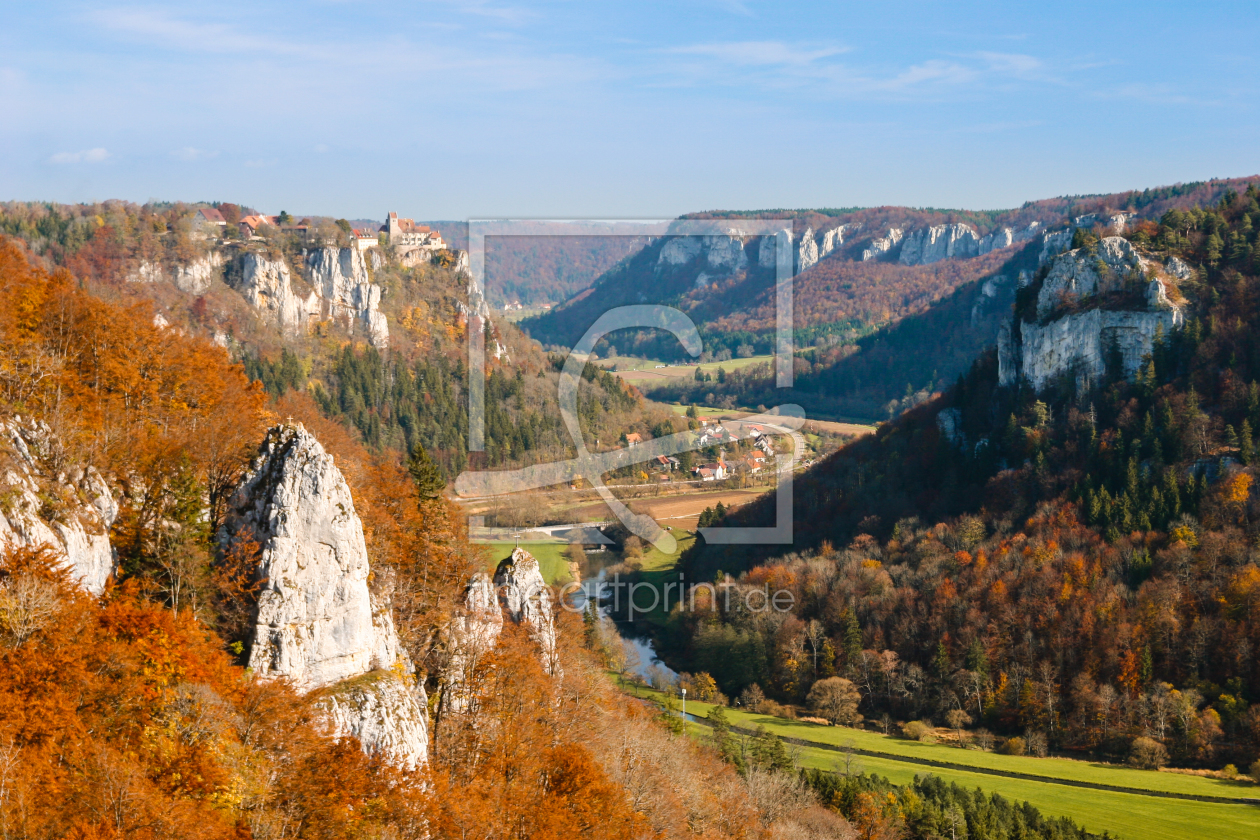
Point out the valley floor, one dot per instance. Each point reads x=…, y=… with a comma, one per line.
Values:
x=1083, y=791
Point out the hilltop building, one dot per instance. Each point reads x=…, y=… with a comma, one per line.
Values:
x=405, y=236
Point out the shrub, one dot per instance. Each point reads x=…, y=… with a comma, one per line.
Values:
x=752, y=698
x=1014, y=746
x=1147, y=753
x=1229, y=771
x=1036, y=744
x=769, y=707
x=1255, y=771
x=914, y=730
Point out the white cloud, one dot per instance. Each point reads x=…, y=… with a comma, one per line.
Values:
x=760, y=53
x=1015, y=64
x=84, y=156
x=188, y=153
x=157, y=27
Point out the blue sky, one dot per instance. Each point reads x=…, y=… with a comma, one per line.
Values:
x=575, y=109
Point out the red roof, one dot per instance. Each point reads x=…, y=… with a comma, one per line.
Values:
x=212, y=215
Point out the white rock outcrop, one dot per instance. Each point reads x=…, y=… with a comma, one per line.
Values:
x=527, y=599
x=340, y=278
x=69, y=512
x=340, y=289
x=472, y=634
x=1080, y=273
x=1077, y=345
x=1005, y=237
x=939, y=242
x=881, y=246
x=267, y=285
x=724, y=252
x=767, y=253
x=1056, y=242
x=194, y=278
x=813, y=247
x=383, y=713
x=806, y=250
x=318, y=621
x=517, y=589
x=1179, y=268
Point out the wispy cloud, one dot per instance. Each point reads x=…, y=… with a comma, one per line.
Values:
x=188, y=153
x=1015, y=64
x=760, y=53
x=158, y=28
x=84, y=156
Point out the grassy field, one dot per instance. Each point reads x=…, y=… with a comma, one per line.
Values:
x=626, y=364
x=1126, y=815
x=657, y=568
x=552, y=561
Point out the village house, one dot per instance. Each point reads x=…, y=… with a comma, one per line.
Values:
x=712, y=472
x=365, y=238
x=665, y=463
x=209, y=221
x=249, y=225
x=633, y=439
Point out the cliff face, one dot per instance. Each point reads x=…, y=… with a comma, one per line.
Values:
x=68, y=511
x=518, y=588
x=384, y=714
x=340, y=289
x=884, y=244
x=341, y=278
x=527, y=599
x=816, y=246
x=939, y=242
x=194, y=278
x=268, y=287
x=319, y=623
x=1077, y=344
x=1080, y=273
x=722, y=252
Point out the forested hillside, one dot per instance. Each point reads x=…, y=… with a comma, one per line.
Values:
x=1077, y=567
x=129, y=715
x=414, y=393
x=873, y=336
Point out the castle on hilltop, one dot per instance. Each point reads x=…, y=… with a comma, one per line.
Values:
x=405, y=236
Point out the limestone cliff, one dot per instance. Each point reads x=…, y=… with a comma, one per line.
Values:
x=882, y=245
x=527, y=599
x=194, y=278
x=472, y=634
x=939, y=242
x=1062, y=340
x=813, y=247
x=384, y=713
x=340, y=289
x=340, y=277
x=267, y=286
x=67, y=510
x=1081, y=273
x=319, y=622
x=723, y=252
x=518, y=588
x=1056, y=242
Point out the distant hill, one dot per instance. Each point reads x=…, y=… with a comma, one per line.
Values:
x=891, y=303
